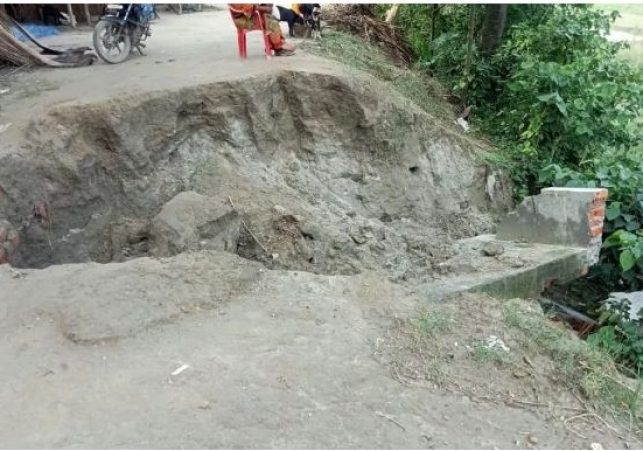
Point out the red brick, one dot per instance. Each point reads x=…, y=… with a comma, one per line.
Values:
x=597, y=213
x=596, y=230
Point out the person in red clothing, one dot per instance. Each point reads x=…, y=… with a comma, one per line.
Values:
x=244, y=19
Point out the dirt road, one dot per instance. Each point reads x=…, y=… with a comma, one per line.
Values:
x=276, y=360
x=183, y=51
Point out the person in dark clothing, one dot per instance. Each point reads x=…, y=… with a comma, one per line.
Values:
x=296, y=14
x=52, y=15
x=288, y=15
x=306, y=9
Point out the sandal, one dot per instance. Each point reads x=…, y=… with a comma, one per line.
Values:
x=284, y=52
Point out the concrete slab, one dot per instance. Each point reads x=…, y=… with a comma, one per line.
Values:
x=562, y=216
x=522, y=270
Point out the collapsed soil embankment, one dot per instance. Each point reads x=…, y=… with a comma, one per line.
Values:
x=329, y=175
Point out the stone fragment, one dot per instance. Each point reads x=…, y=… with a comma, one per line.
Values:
x=191, y=222
x=493, y=249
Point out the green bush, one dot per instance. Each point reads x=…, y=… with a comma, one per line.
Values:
x=560, y=104
x=564, y=97
x=621, y=334
x=554, y=93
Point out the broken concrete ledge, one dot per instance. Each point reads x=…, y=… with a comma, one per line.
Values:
x=559, y=236
x=542, y=265
x=564, y=216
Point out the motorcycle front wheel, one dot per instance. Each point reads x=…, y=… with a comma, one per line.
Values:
x=111, y=42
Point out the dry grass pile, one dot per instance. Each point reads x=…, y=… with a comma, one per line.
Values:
x=360, y=21
x=15, y=53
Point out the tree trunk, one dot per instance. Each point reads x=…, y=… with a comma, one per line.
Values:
x=435, y=11
x=469, y=61
x=391, y=14
x=493, y=27
x=88, y=16
x=72, y=18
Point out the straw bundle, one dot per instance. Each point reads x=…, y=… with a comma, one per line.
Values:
x=12, y=51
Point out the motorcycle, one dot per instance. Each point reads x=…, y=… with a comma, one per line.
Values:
x=122, y=28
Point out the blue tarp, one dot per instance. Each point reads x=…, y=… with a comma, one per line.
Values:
x=37, y=31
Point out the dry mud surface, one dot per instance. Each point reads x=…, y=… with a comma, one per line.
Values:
x=276, y=360
x=266, y=232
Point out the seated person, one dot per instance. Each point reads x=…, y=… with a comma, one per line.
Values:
x=244, y=19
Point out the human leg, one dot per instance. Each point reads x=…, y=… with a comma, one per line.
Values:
x=276, y=38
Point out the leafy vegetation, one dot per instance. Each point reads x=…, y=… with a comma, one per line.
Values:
x=620, y=335
x=621, y=172
x=554, y=92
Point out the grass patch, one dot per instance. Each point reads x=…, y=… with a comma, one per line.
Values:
x=354, y=52
x=484, y=354
x=433, y=322
x=447, y=345
x=581, y=365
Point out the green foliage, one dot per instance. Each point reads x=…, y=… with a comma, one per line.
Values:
x=422, y=23
x=620, y=334
x=563, y=107
x=561, y=95
x=557, y=94
x=561, y=104
x=554, y=93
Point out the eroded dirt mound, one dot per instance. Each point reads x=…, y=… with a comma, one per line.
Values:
x=328, y=174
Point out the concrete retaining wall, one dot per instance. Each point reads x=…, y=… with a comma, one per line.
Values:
x=563, y=216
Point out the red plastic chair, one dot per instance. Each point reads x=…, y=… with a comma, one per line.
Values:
x=242, y=41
